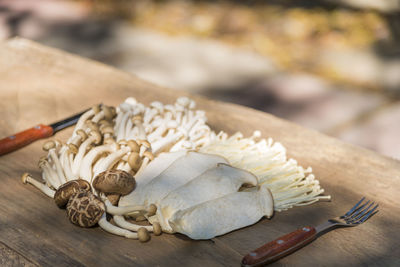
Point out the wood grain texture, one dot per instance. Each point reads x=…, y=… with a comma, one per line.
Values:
x=40, y=84
x=9, y=257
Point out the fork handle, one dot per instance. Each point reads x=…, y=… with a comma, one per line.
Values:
x=280, y=247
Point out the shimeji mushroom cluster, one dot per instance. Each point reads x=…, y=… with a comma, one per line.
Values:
x=109, y=146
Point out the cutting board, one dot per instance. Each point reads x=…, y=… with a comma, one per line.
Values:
x=42, y=85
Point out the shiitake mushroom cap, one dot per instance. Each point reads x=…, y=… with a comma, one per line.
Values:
x=65, y=191
x=85, y=209
x=114, y=181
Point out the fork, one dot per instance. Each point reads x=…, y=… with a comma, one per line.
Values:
x=291, y=242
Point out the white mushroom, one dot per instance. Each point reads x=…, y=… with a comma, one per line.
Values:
x=142, y=233
x=27, y=178
x=50, y=174
x=108, y=113
x=177, y=174
x=114, y=157
x=94, y=138
x=223, y=215
x=121, y=222
x=50, y=147
x=155, y=167
x=85, y=171
x=211, y=184
x=81, y=122
x=114, y=210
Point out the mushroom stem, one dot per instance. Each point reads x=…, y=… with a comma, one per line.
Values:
x=162, y=143
x=114, y=210
x=111, y=159
x=137, y=122
x=124, y=166
x=65, y=159
x=94, y=137
x=79, y=125
x=107, y=226
x=121, y=222
x=148, y=156
x=85, y=171
x=121, y=127
x=27, y=178
x=51, y=175
x=50, y=146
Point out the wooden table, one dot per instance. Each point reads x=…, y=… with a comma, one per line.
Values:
x=42, y=85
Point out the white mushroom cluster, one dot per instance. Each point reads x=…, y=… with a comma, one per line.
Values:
x=290, y=184
x=167, y=127
x=132, y=162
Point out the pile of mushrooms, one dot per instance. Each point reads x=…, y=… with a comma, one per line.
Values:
x=120, y=162
x=290, y=184
x=168, y=128
x=200, y=195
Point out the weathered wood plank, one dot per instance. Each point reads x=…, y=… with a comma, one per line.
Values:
x=9, y=257
x=39, y=84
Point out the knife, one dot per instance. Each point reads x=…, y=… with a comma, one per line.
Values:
x=40, y=131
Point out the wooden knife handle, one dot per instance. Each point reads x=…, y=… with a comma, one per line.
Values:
x=24, y=138
x=280, y=247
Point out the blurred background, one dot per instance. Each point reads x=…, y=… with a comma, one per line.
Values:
x=333, y=66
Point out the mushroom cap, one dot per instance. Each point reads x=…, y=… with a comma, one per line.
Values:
x=133, y=145
x=148, y=155
x=24, y=177
x=65, y=191
x=97, y=136
x=103, y=123
x=151, y=210
x=85, y=209
x=134, y=161
x=76, y=141
x=42, y=161
x=113, y=198
x=82, y=134
x=109, y=112
x=96, y=108
x=114, y=181
x=107, y=129
x=110, y=140
x=143, y=234
x=49, y=145
x=91, y=125
x=144, y=143
x=157, y=228
x=72, y=148
x=122, y=142
x=140, y=218
x=136, y=118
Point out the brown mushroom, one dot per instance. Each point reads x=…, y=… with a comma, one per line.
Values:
x=113, y=198
x=85, y=209
x=134, y=161
x=114, y=181
x=157, y=228
x=65, y=191
x=143, y=234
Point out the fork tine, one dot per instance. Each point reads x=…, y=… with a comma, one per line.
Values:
x=353, y=208
x=360, y=211
x=369, y=214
